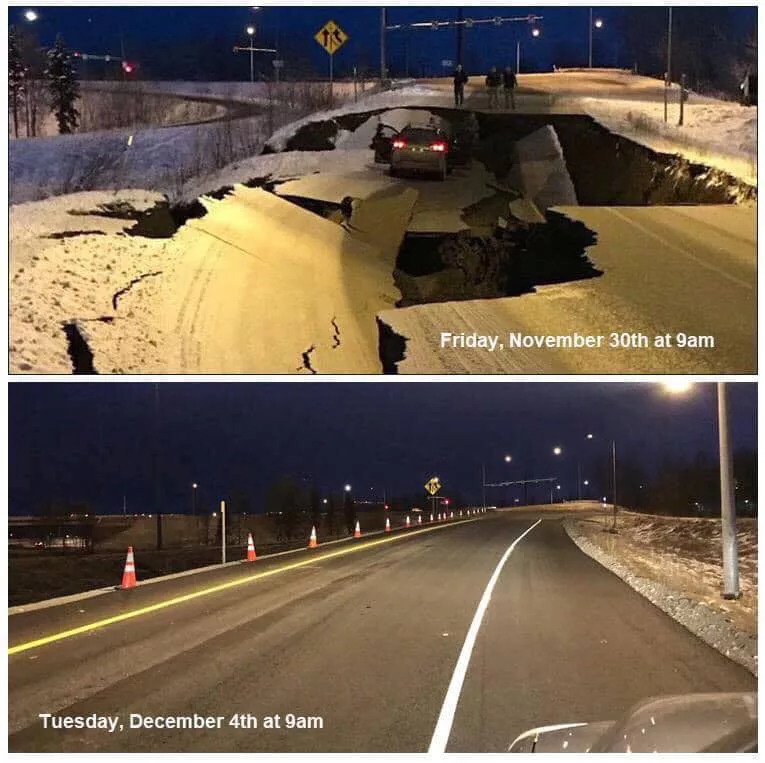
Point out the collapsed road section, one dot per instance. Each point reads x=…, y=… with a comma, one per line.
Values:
x=555, y=226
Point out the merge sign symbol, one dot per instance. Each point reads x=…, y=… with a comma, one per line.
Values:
x=331, y=37
x=433, y=485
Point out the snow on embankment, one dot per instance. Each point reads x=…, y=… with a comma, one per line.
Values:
x=675, y=563
x=720, y=134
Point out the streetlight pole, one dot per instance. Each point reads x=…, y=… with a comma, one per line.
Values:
x=483, y=483
x=668, y=73
x=194, y=487
x=518, y=57
x=613, y=494
x=731, y=588
x=251, y=33
x=383, y=24
x=591, y=38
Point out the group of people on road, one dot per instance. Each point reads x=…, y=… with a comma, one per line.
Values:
x=495, y=81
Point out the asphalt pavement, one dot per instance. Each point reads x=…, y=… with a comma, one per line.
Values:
x=686, y=272
x=356, y=648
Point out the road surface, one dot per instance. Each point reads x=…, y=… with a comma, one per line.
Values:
x=368, y=641
x=689, y=272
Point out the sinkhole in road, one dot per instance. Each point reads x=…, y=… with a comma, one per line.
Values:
x=608, y=169
x=510, y=262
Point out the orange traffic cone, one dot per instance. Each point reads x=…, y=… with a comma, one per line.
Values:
x=387, y=524
x=251, y=555
x=312, y=542
x=357, y=531
x=408, y=524
x=128, y=576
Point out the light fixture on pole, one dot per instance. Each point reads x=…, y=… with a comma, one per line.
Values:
x=730, y=582
x=594, y=24
x=251, y=33
x=31, y=16
x=194, y=487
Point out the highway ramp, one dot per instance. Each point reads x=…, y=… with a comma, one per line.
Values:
x=368, y=641
x=684, y=271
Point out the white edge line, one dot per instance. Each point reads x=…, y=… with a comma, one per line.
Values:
x=448, y=709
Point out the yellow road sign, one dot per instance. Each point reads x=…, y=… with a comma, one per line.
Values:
x=331, y=37
x=433, y=485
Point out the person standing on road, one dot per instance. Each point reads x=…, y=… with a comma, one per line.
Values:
x=509, y=82
x=493, y=82
x=460, y=80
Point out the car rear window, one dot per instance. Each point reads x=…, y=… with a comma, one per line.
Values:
x=415, y=135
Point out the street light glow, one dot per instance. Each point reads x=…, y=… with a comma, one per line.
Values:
x=31, y=15
x=347, y=488
x=679, y=387
x=598, y=23
x=194, y=485
x=590, y=435
x=508, y=459
x=535, y=32
x=557, y=450
x=586, y=482
x=250, y=30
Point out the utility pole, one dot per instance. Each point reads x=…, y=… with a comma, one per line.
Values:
x=157, y=471
x=613, y=476
x=668, y=73
x=483, y=483
x=731, y=588
x=383, y=23
x=591, y=38
x=460, y=33
x=223, y=531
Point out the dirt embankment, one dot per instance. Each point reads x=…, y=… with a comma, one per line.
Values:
x=676, y=562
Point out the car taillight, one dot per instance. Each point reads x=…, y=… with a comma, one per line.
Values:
x=399, y=143
x=439, y=146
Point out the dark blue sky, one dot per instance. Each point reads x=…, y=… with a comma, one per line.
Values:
x=150, y=32
x=94, y=441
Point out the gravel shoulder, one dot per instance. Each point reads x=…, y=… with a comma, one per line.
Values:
x=675, y=563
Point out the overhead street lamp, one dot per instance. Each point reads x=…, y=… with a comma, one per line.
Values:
x=594, y=24
x=535, y=32
x=31, y=16
x=251, y=33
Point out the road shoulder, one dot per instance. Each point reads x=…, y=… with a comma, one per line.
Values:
x=706, y=622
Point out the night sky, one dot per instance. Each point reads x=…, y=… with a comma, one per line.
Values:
x=94, y=442
x=149, y=32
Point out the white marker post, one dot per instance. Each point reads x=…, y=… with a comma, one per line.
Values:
x=223, y=531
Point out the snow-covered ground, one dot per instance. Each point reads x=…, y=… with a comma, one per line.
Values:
x=719, y=134
x=677, y=563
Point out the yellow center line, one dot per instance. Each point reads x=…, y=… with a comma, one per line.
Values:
x=217, y=588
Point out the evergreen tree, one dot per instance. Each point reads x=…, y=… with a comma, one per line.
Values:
x=63, y=87
x=16, y=76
